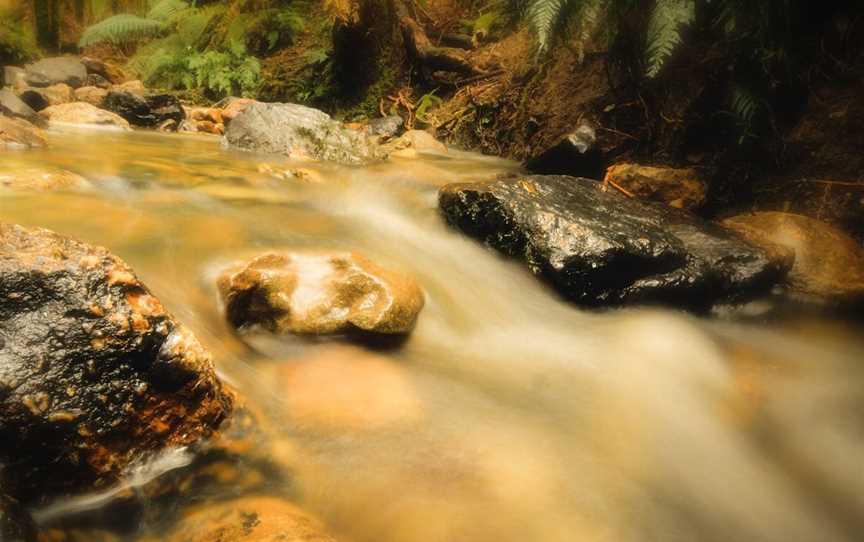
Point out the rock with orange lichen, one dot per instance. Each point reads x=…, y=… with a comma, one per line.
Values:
x=94, y=373
x=247, y=519
x=319, y=293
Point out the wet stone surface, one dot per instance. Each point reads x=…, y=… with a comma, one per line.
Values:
x=601, y=248
x=94, y=373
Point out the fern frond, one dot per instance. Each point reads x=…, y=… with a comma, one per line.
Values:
x=590, y=16
x=668, y=19
x=119, y=29
x=544, y=16
x=165, y=9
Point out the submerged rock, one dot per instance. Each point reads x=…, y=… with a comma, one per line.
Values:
x=40, y=179
x=414, y=141
x=147, y=111
x=51, y=71
x=83, y=114
x=18, y=133
x=94, y=373
x=247, y=519
x=600, y=248
x=319, y=293
x=298, y=132
x=679, y=187
x=828, y=263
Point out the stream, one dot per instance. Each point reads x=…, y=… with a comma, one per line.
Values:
x=508, y=415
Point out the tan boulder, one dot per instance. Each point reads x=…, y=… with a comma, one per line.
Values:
x=209, y=127
x=91, y=95
x=319, y=293
x=107, y=70
x=234, y=107
x=211, y=114
x=344, y=388
x=246, y=519
x=413, y=141
x=19, y=133
x=41, y=180
x=828, y=263
x=58, y=94
x=82, y=113
x=135, y=86
x=677, y=187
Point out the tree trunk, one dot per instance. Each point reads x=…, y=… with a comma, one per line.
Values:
x=47, y=16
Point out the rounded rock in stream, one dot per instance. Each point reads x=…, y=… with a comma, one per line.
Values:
x=319, y=293
x=298, y=132
x=94, y=373
x=18, y=133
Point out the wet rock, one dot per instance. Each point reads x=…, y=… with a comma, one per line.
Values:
x=96, y=80
x=345, y=388
x=389, y=126
x=12, y=106
x=209, y=127
x=36, y=179
x=247, y=519
x=106, y=70
x=91, y=95
x=827, y=263
x=14, y=76
x=234, y=107
x=18, y=133
x=209, y=114
x=577, y=154
x=51, y=71
x=94, y=373
x=679, y=187
x=40, y=98
x=15, y=524
x=319, y=293
x=83, y=114
x=599, y=248
x=298, y=132
x=414, y=140
x=144, y=110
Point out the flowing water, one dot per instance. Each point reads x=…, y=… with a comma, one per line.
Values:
x=507, y=415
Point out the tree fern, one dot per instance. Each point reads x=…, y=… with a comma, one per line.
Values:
x=668, y=19
x=166, y=9
x=119, y=29
x=544, y=16
x=549, y=18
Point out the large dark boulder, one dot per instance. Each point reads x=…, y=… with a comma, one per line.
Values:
x=13, y=106
x=51, y=71
x=147, y=111
x=94, y=373
x=300, y=132
x=599, y=248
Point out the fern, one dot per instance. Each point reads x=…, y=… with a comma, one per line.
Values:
x=164, y=10
x=120, y=29
x=668, y=19
x=543, y=16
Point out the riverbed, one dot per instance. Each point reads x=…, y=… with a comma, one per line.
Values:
x=508, y=414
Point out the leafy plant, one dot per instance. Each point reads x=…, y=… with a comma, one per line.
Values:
x=664, y=31
x=427, y=101
x=17, y=42
x=225, y=73
x=128, y=28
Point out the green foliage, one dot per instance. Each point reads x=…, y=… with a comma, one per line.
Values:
x=17, y=42
x=667, y=20
x=121, y=29
x=427, y=101
x=224, y=73
x=578, y=19
x=164, y=10
x=317, y=79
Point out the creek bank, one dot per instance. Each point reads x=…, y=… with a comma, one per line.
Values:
x=319, y=293
x=95, y=374
x=599, y=247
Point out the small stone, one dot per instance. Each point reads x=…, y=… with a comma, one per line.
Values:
x=83, y=114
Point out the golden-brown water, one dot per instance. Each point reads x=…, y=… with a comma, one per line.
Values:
x=508, y=415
